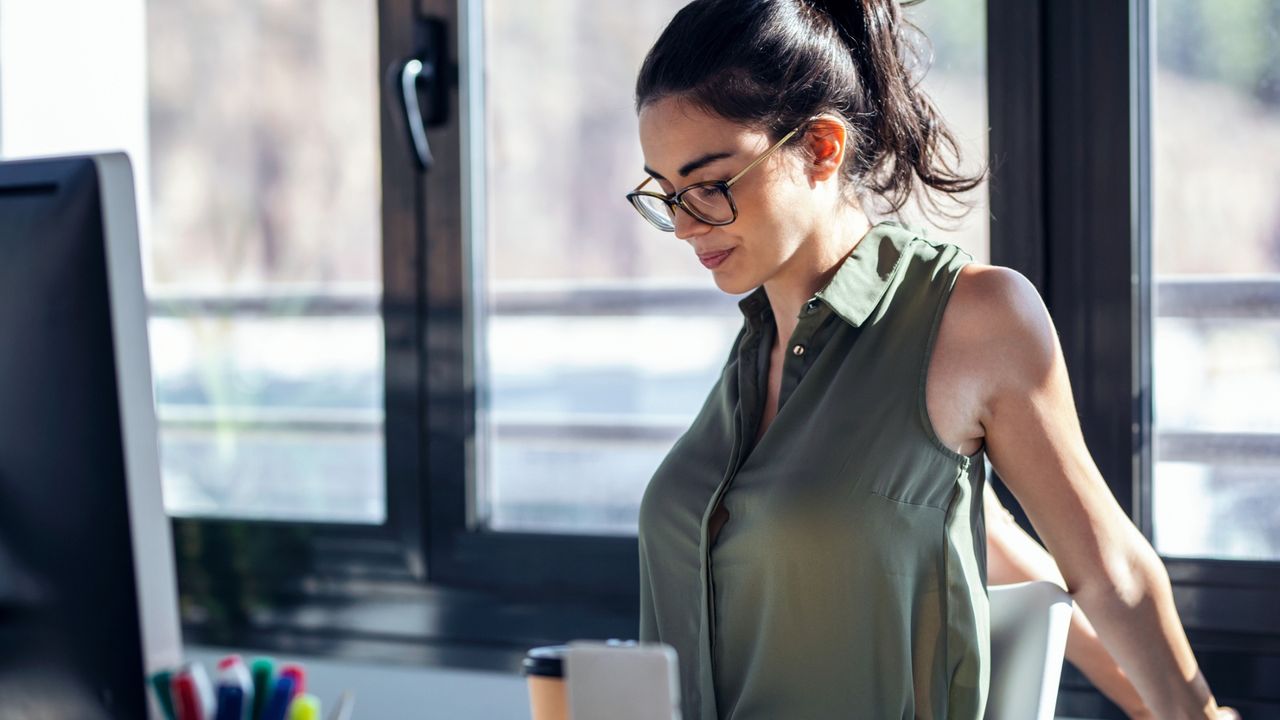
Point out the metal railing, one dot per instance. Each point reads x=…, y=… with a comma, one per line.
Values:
x=1183, y=297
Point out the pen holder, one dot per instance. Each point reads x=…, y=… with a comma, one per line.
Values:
x=261, y=691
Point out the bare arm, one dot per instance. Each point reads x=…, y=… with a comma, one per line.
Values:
x=1013, y=556
x=1033, y=438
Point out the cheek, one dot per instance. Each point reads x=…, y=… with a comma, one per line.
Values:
x=774, y=215
x=758, y=206
x=783, y=192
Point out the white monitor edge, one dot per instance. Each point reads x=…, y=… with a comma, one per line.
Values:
x=155, y=576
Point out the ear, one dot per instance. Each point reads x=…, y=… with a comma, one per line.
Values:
x=826, y=141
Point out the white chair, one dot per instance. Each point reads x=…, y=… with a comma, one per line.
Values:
x=1029, y=624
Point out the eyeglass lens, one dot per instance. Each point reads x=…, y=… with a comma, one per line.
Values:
x=707, y=203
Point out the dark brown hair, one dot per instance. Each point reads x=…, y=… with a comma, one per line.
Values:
x=772, y=64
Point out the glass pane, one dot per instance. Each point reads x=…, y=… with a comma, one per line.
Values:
x=1216, y=258
x=1244, y=493
x=581, y=421
x=266, y=196
x=1211, y=372
x=269, y=417
x=957, y=83
x=603, y=336
x=253, y=131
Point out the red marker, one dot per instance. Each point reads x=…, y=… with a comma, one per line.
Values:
x=191, y=693
x=186, y=697
x=299, y=677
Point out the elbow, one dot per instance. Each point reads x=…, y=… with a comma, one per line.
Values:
x=1130, y=578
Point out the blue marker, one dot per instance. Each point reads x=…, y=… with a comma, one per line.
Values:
x=232, y=671
x=230, y=703
x=278, y=701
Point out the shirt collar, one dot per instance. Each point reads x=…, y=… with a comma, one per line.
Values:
x=862, y=280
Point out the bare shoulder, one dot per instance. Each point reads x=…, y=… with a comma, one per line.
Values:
x=997, y=326
x=971, y=353
x=984, y=289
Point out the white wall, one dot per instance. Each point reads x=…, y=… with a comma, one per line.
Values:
x=73, y=79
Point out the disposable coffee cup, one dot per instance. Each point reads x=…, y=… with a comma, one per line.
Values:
x=544, y=669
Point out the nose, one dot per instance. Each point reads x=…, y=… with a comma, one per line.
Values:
x=688, y=226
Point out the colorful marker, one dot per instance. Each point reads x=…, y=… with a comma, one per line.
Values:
x=191, y=693
x=277, y=704
x=160, y=685
x=231, y=704
x=186, y=697
x=232, y=672
x=299, y=677
x=304, y=707
x=263, y=671
x=204, y=688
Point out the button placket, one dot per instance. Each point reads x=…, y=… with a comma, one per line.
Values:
x=795, y=360
x=811, y=319
x=749, y=348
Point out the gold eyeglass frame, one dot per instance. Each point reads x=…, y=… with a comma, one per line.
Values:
x=676, y=199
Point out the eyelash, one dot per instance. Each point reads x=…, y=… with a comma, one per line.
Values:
x=692, y=181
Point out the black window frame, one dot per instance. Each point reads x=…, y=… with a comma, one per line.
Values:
x=423, y=586
x=1070, y=124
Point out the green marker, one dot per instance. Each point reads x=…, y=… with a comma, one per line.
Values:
x=160, y=685
x=263, y=671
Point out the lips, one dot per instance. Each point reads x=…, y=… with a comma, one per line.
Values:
x=713, y=259
x=712, y=253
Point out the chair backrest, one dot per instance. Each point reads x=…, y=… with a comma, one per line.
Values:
x=1029, y=624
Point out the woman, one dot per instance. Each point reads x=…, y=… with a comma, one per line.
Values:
x=813, y=546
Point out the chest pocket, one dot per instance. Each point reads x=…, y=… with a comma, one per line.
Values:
x=911, y=474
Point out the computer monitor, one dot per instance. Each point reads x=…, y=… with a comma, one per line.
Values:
x=87, y=584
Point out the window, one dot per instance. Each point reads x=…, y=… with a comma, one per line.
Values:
x=1132, y=213
x=1216, y=256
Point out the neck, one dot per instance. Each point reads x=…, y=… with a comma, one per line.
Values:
x=812, y=267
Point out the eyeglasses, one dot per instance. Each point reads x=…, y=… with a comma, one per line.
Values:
x=709, y=202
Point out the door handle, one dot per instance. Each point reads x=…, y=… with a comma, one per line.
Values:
x=423, y=82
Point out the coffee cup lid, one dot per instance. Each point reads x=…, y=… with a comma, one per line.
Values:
x=546, y=661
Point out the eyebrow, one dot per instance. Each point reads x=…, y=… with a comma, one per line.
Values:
x=693, y=165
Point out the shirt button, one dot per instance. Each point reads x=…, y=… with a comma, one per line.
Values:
x=797, y=350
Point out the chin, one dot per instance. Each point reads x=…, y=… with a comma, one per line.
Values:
x=733, y=285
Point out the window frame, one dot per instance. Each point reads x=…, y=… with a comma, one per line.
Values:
x=459, y=597
x=230, y=568
x=1066, y=175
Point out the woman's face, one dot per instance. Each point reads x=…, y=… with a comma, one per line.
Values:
x=776, y=201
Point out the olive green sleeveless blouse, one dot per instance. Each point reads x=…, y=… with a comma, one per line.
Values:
x=849, y=579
